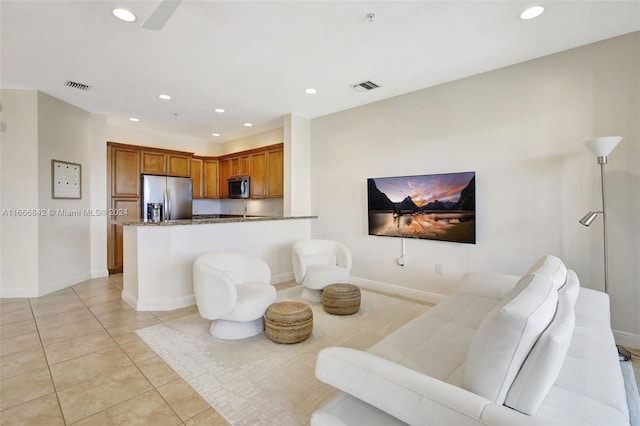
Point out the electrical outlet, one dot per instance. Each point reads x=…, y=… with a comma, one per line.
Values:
x=402, y=260
x=438, y=269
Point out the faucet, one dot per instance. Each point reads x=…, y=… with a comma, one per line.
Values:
x=244, y=209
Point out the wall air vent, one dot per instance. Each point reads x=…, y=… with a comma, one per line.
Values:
x=77, y=85
x=365, y=86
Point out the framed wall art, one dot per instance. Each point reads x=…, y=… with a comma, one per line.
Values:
x=66, y=180
x=434, y=207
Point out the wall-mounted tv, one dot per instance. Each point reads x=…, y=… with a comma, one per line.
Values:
x=434, y=207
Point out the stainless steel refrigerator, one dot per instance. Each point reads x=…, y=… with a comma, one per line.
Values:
x=166, y=198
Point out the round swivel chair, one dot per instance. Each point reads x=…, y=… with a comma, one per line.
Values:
x=234, y=291
x=318, y=263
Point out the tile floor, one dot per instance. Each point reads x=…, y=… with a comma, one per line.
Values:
x=73, y=357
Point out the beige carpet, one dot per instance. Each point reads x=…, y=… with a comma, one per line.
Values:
x=257, y=382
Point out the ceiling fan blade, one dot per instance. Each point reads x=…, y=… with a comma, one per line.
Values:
x=161, y=15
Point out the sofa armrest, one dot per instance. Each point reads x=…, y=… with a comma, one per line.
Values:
x=406, y=394
x=493, y=286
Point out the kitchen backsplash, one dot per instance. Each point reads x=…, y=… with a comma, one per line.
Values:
x=267, y=207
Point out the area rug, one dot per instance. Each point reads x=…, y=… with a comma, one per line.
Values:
x=257, y=382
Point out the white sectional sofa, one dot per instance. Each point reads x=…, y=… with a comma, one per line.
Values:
x=502, y=350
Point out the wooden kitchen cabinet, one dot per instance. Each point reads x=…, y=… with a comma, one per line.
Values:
x=165, y=163
x=225, y=174
x=267, y=174
x=124, y=169
x=210, y=175
x=196, y=177
x=179, y=165
x=127, y=209
x=153, y=162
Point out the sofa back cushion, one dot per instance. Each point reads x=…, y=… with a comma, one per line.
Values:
x=507, y=334
x=542, y=366
x=552, y=267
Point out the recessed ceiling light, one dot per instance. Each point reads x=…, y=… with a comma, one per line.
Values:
x=219, y=110
x=215, y=134
x=165, y=97
x=124, y=15
x=532, y=12
x=248, y=124
x=134, y=119
x=310, y=91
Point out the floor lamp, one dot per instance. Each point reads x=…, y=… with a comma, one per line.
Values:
x=602, y=147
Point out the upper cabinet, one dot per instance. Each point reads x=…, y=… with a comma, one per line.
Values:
x=124, y=171
x=267, y=173
x=160, y=162
x=210, y=175
x=196, y=176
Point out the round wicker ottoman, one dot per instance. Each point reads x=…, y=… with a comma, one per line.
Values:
x=341, y=299
x=288, y=322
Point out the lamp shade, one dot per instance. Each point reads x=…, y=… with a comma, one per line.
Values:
x=603, y=146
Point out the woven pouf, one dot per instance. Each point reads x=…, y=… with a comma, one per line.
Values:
x=288, y=322
x=341, y=299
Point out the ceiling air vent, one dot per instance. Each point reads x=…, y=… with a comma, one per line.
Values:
x=77, y=85
x=365, y=86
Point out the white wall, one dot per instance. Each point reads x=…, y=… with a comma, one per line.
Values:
x=271, y=137
x=98, y=195
x=521, y=129
x=19, y=190
x=132, y=136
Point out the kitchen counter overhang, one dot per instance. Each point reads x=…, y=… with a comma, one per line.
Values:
x=159, y=256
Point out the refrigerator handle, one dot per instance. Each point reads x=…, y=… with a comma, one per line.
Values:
x=168, y=201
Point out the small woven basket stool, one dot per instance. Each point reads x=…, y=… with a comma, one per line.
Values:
x=341, y=299
x=288, y=322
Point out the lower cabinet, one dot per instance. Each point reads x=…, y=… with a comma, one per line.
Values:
x=123, y=210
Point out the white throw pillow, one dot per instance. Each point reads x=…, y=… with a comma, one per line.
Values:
x=507, y=334
x=552, y=267
x=542, y=366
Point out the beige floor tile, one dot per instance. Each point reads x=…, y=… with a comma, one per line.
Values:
x=17, y=329
x=9, y=300
x=126, y=333
x=118, y=319
x=106, y=309
x=138, y=350
x=89, y=287
x=146, y=409
x=209, y=417
x=43, y=411
x=100, y=299
x=25, y=387
x=87, y=367
x=166, y=316
x=101, y=392
x=22, y=362
x=69, y=331
x=19, y=343
x=56, y=305
x=56, y=320
x=79, y=346
x=183, y=399
x=16, y=315
x=157, y=371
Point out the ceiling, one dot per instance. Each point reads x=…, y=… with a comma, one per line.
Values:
x=256, y=58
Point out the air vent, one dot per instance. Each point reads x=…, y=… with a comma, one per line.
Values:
x=77, y=85
x=365, y=86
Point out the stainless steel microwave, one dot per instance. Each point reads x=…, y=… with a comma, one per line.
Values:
x=239, y=187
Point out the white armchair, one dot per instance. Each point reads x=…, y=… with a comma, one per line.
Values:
x=234, y=291
x=318, y=263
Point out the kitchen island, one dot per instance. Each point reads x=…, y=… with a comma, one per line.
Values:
x=159, y=256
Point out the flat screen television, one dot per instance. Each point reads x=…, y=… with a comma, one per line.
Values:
x=433, y=207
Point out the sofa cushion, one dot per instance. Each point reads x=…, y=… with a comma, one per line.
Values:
x=552, y=267
x=542, y=366
x=507, y=334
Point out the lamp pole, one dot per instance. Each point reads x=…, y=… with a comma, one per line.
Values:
x=602, y=161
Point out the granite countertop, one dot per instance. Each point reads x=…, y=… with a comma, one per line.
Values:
x=209, y=219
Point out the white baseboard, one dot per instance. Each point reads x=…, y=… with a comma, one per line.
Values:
x=424, y=296
x=158, y=305
x=282, y=278
x=626, y=339
x=99, y=273
x=67, y=282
